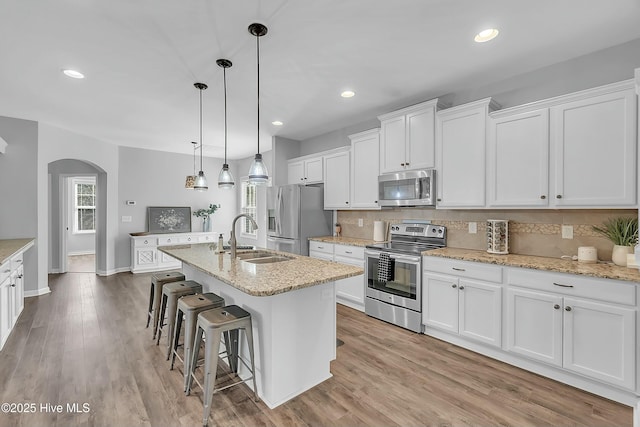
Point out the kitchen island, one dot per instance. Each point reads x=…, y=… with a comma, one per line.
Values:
x=293, y=307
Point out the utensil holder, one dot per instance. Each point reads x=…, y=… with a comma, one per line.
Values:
x=498, y=236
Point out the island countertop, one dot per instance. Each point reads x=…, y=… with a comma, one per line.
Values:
x=11, y=246
x=601, y=270
x=261, y=279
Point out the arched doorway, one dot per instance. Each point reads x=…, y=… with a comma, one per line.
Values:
x=72, y=211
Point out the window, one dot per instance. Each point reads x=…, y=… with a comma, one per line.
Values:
x=84, y=209
x=249, y=208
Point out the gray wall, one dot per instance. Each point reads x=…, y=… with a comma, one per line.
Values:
x=18, y=192
x=156, y=178
x=283, y=150
x=599, y=68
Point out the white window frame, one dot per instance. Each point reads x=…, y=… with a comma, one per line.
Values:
x=246, y=230
x=75, y=207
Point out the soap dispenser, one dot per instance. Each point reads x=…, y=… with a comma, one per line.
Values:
x=220, y=244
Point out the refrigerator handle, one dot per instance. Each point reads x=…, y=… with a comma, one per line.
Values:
x=278, y=211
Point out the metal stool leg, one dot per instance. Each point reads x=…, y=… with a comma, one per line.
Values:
x=174, y=347
x=194, y=358
x=150, y=309
x=161, y=319
x=212, y=348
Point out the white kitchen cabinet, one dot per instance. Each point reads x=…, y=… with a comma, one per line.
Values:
x=6, y=312
x=460, y=154
x=337, y=181
x=19, y=293
x=466, y=307
x=587, y=326
x=594, y=148
x=146, y=257
x=11, y=292
x=365, y=168
x=305, y=171
x=321, y=250
x=518, y=159
x=407, y=138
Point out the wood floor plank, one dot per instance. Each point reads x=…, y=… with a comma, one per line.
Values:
x=86, y=342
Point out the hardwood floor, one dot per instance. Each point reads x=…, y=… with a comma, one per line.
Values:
x=86, y=343
x=81, y=263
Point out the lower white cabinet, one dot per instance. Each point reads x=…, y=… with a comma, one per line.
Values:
x=470, y=308
x=591, y=338
x=146, y=257
x=11, y=293
x=349, y=291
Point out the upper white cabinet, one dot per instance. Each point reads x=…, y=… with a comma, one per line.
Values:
x=305, y=171
x=407, y=138
x=460, y=154
x=365, y=168
x=594, y=140
x=336, y=182
x=574, y=151
x=518, y=159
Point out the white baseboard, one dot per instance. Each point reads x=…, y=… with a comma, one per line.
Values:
x=81, y=253
x=54, y=271
x=113, y=271
x=37, y=292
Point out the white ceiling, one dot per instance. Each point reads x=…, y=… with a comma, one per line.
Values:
x=141, y=58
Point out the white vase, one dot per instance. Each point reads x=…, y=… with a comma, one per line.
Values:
x=619, y=254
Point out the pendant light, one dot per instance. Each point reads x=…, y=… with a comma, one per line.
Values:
x=201, y=180
x=225, y=179
x=191, y=179
x=258, y=173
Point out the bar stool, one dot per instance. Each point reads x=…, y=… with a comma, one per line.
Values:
x=212, y=324
x=170, y=294
x=188, y=309
x=158, y=280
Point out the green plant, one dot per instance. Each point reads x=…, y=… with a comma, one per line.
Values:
x=204, y=213
x=621, y=231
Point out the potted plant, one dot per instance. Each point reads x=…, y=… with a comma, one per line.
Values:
x=204, y=214
x=338, y=229
x=623, y=232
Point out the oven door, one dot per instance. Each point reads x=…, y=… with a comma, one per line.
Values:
x=403, y=289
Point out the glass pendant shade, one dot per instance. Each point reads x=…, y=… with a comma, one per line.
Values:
x=258, y=173
x=225, y=179
x=200, y=183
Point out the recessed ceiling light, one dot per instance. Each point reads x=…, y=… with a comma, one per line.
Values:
x=486, y=35
x=73, y=74
x=277, y=123
x=347, y=94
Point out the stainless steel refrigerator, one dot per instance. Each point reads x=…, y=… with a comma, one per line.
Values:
x=295, y=213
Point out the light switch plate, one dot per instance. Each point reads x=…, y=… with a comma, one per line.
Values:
x=473, y=228
x=360, y=222
x=567, y=231
x=126, y=219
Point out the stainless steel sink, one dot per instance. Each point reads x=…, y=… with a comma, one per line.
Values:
x=267, y=259
x=254, y=254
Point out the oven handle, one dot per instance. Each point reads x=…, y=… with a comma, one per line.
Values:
x=406, y=258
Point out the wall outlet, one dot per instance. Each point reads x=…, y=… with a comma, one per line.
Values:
x=567, y=231
x=126, y=219
x=360, y=222
x=473, y=228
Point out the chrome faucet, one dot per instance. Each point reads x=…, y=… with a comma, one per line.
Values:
x=232, y=241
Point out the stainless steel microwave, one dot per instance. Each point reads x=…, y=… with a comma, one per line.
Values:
x=410, y=188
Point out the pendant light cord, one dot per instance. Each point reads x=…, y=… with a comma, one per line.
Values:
x=258, y=61
x=201, y=129
x=224, y=76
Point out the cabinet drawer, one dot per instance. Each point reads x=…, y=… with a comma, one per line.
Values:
x=5, y=271
x=16, y=261
x=188, y=239
x=471, y=270
x=169, y=240
x=205, y=239
x=147, y=241
x=356, y=252
x=321, y=247
x=574, y=285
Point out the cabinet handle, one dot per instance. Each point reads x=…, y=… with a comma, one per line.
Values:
x=562, y=286
x=20, y=276
x=458, y=269
x=13, y=285
x=348, y=252
x=406, y=164
x=347, y=203
x=439, y=200
x=454, y=286
x=168, y=240
x=567, y=308
x=320, y=247
x=557, y=306
x=559, y=196
x=543, y=197
x=301, y=179
x=146, y=241
x=18, y=261
x=401, y=164
x=461, y=287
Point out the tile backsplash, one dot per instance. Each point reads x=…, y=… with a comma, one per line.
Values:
x=531, y=232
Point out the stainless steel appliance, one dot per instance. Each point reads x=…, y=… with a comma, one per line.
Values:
x=410, y=188
x=295, y=213
x=393, y=273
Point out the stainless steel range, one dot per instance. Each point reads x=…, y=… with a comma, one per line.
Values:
x=393, y=273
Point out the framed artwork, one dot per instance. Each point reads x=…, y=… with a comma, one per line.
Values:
x=171, y=219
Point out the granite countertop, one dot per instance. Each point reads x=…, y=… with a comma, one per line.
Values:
x=350, y=241
x=601, y=269
x=9, y=248
x=261, y=279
